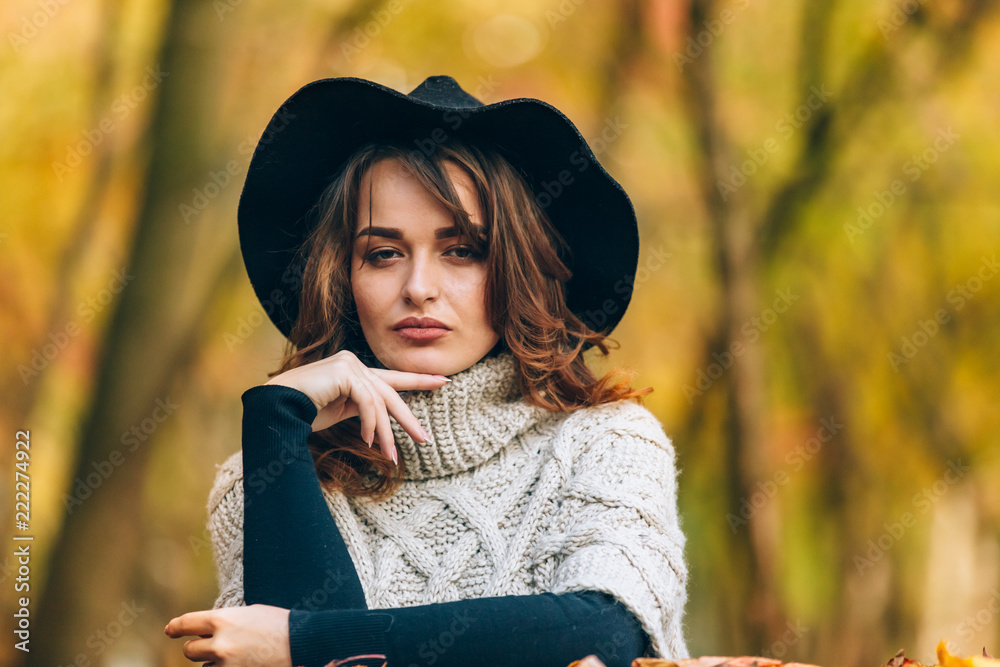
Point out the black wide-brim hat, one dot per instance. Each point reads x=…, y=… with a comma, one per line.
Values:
x=314, y=132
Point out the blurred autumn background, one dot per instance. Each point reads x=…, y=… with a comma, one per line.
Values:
x=816, y=304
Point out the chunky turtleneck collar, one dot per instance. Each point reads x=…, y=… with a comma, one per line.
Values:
x=469, y=419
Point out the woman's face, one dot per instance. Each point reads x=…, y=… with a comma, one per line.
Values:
x=418, y=267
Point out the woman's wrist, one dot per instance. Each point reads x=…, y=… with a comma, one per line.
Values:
x=319, y=637
x=277, y=421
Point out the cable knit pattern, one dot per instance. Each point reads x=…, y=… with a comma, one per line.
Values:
x=507, y=499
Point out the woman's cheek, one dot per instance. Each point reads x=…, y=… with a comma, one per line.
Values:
x=365, y=296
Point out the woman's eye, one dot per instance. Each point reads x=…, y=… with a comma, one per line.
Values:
x=378, y=255
x=461, y=252
x=465, y=252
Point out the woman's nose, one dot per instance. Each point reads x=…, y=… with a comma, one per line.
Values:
x=422, y=282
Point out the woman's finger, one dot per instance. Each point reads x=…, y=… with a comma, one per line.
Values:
x=381, y=418
x=334, y=412
x=370, y=404
x=386, y=441
x=191, y=623
x=383, y=428
x=405, y=380
x=402, y=414
x=199, y=649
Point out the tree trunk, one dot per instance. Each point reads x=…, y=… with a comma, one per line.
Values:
x=88, y=588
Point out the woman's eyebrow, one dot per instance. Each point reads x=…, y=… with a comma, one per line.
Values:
x=396, y=233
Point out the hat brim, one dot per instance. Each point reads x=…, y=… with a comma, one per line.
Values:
x=313, y=133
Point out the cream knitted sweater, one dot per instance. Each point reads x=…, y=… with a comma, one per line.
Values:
x=506, y=499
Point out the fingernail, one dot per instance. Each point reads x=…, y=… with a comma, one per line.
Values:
x=370, y=438
x=441, y=377
x=394, y=456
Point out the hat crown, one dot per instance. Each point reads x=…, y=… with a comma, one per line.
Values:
x=444, y=91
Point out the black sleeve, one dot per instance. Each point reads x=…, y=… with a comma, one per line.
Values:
x=544, y=630
x=293, y=554
x=295, y=558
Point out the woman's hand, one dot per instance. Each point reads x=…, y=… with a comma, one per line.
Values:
x=235, y=636
x=341, y=386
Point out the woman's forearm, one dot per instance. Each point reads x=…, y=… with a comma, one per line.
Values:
x=293, y=554
x=544, y=630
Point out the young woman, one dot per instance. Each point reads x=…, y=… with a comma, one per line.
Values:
x=434, y=476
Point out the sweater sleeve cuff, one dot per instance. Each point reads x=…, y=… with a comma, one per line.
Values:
x=280, y=419
x=317, y=638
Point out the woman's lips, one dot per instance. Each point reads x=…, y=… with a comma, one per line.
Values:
x=421, y=333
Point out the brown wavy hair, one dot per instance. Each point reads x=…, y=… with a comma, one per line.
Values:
x=525, y=296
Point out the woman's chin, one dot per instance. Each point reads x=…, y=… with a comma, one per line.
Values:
x=413, y=359
x=429, y=359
